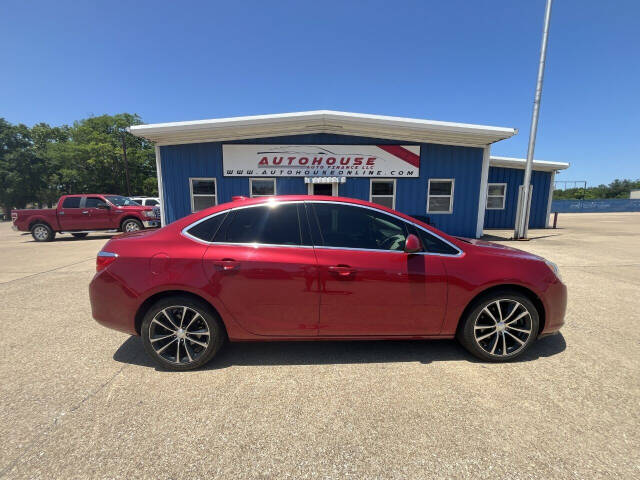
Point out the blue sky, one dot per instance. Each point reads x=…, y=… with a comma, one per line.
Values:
x=461, y=61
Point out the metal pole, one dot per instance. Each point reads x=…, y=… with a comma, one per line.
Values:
x=525, y=204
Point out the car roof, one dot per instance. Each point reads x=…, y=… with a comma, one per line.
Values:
x=246, y=201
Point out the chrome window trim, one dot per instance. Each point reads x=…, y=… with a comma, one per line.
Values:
x=283, y=202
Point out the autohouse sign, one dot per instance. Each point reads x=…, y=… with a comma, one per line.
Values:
x=321, y=160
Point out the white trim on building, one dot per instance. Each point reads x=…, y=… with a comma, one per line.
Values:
x=544, y=165
x=322, y=121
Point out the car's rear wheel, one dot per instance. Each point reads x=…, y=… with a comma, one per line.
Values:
x=181, y=333
x=41, y=232
x=79, y=235
x=131, y=225
x=500, y=326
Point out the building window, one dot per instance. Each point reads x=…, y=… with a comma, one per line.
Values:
x=440, y=195
x=262, y=187
x=204, y=193
x=383, y=192
x=496, y=193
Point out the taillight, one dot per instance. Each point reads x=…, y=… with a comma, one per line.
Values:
x=14, y=216
x=104, y=259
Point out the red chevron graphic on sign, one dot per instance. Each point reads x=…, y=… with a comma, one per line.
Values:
x=402, y=153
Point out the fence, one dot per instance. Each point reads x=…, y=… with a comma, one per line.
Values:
x=594, y=206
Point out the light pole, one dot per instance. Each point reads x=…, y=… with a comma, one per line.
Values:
x=525, y=199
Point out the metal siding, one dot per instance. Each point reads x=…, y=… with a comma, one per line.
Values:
x=289, y=185
x=464, y=164
x=513, y=177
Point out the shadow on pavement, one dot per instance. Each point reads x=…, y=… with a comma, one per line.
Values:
x=69, y=238
x=334, y=352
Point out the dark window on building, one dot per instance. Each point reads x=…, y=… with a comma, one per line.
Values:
x=272, y=224
x=71, y=202
x=203, y=193
x=348, y=226
x=206, y=229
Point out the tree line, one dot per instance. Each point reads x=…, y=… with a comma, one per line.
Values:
x=616, y=189
x=96, y=155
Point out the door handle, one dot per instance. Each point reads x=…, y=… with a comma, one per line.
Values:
x=85, y=212
x=226, y=264
x=342, y=270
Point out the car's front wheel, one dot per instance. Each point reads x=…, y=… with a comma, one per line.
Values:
x=181, y=333
x=500, y=326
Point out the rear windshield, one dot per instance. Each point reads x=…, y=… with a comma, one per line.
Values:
x=120, y=201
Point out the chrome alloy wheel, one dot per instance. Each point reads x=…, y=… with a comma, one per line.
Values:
x=41, y=233
x=179, y=335
x=503, y=327
x=131, y=227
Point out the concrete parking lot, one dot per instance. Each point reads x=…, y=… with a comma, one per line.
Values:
x=80, y=401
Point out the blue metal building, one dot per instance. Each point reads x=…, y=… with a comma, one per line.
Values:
x=439, y=171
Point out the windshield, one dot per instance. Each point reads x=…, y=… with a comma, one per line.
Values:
x=120, y=201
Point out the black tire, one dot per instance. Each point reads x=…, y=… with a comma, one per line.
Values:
x=506, y=333
x=80, y=235
x=41, y=232
x=131, y=225
x=192, y=355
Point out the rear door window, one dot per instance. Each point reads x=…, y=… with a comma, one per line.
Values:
x=271, y=225
x=71, y=202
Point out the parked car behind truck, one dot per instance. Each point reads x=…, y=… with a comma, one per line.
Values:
x=80, y=215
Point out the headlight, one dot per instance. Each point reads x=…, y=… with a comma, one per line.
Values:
x=149, y=213
x=554, y=268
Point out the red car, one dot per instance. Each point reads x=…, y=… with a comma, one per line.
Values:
x=81, y=214
x=319, y=268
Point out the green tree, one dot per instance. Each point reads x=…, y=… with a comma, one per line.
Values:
x=616, y=189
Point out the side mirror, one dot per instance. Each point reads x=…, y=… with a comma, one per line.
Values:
x=103, y=205
x=412, y=244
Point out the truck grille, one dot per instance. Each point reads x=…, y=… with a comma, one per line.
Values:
x=156, y=210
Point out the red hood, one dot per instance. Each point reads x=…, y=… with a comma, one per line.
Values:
x=499, y=249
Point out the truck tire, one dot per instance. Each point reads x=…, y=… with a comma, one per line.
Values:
x=79, y=235
x=131, y=225
x=41, y=232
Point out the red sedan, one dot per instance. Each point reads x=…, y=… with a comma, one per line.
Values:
x=319, y=268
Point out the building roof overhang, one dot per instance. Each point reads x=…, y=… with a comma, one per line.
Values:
x=322, y=121
x=543, y=165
